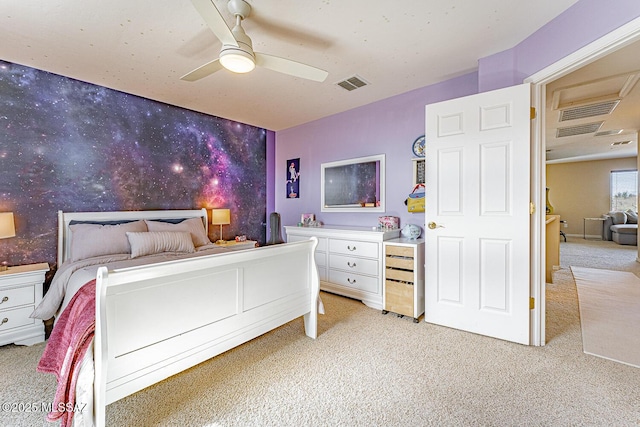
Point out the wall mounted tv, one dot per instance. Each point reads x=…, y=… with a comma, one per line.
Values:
x=353, y=185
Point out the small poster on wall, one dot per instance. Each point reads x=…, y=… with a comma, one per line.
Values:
x=293, y=179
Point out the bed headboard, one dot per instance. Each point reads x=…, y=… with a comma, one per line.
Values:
x=65, y=218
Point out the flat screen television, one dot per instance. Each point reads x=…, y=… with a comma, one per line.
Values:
x=353, y=185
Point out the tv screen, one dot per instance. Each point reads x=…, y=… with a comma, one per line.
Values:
x=353, y=185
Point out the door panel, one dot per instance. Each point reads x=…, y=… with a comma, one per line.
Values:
x=477, y=253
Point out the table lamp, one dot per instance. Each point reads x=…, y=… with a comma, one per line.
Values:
x=220, y=217
x=7, y=229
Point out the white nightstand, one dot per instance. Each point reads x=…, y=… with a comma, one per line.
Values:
x=20, y=293
x=237, y=246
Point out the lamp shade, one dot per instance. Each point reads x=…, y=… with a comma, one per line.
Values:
x=7, y=226
x=220, y=216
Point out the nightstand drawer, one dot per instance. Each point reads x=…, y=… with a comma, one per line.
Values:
x=16, y=318
x=15, y=297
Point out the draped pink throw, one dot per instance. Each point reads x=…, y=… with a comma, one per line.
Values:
x=66, y=348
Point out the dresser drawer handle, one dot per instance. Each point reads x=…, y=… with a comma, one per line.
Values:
x=5, y=320
x=5, y=299
x=351, y=265
x=351, y=248
x=351, y=281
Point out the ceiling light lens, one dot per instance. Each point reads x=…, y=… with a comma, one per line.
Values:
x=237, y=61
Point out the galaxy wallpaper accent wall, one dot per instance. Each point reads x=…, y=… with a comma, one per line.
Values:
x=74, y=146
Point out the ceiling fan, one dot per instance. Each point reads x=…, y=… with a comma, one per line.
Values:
x=237, y=53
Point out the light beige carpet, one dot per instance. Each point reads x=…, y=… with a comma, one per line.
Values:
x=610, y=313
x=368, y=369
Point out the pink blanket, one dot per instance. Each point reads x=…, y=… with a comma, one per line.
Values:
x=66, y=347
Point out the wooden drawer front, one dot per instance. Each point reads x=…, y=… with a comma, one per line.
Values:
x=16, y=318
x=355, y=281
x=400, y=275
x=404, y=263
x=355, y=265
x=350, y=247
x=402, y=251
x=398, y=297
x=16, y=297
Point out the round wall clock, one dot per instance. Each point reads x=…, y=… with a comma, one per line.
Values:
x=418, y=147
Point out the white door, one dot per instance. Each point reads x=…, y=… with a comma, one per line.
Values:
x=477, y=201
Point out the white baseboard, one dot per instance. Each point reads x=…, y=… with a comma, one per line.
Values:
x=588, y=236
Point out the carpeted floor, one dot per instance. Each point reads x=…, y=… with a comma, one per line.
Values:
x=369, y=369
x=609, y=303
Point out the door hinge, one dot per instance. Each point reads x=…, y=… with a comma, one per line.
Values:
x=532, y=303
x=532, y=208
x=533, y=113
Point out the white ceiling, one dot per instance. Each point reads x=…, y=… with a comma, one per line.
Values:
x=614, y=77
x=143, y=47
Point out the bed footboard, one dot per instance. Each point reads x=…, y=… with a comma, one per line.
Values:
x=158, y=320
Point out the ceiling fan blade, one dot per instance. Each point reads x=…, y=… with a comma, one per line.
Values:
x=203, y=71
x=211, y=15
x=290, y=67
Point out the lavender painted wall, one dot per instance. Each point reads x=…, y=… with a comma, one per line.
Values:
x=581, y=24
x=387, y=127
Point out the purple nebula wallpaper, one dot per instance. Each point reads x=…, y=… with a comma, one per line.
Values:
x=74, y=146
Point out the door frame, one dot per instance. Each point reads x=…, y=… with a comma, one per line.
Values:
x=610, y=42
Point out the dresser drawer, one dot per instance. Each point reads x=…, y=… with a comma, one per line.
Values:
x=321, y=259
x=355, y=265
x=15, y=297
x=351, y=247
x=354, y=281
x=16, y=318
x=322, y=241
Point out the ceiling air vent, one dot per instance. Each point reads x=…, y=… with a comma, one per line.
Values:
x=609, y=132
x=578, y=130
x=615, y=144
x=352, y=83
x=590, y=110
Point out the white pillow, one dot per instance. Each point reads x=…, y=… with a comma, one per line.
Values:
x=192, y=225
x=91, y=240
x=155, y=242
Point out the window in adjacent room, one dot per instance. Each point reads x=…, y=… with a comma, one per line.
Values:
x=624, y=190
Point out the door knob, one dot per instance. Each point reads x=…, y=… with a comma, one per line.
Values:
x=432, y=225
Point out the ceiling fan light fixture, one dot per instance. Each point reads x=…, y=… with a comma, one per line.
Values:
x=237, y=61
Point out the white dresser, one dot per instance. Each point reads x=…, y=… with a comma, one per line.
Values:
x=349, y=259
x=20, y=292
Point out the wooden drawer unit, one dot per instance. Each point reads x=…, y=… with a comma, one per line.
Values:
x=20, y=293
x=349, y=259
x=404, y=277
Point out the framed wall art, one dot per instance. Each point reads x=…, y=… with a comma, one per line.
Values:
x=293, y=179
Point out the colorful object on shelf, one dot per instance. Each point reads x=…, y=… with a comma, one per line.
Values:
x=388, y=222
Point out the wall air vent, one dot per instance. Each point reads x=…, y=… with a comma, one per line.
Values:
x=609, y=132
x=615, y=144
x=590, y=110
x=352, y=83
x=578, y=130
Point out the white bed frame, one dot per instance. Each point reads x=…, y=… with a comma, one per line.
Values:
x=155, y=321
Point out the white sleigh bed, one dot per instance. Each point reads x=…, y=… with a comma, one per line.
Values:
x=155, y=320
